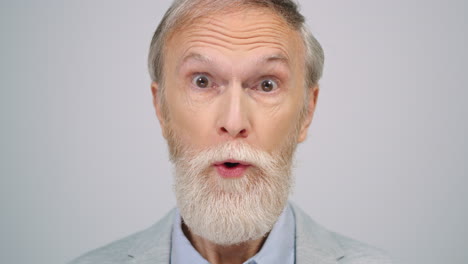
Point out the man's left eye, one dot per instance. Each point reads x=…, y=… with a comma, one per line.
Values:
x=268, y=86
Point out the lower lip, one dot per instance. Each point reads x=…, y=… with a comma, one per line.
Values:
x=235, y=172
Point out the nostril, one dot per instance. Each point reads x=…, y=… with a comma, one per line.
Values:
x=233, y=132
x=243, y=132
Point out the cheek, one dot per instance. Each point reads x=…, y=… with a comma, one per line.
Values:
x=188, y=121
x=279, y=124
x=274, y=130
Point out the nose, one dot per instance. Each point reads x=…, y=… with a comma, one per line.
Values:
x=233, y=117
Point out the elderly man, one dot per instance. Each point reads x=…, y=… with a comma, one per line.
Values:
x=235, y=85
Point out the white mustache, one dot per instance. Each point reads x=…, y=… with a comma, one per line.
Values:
x=229, y=151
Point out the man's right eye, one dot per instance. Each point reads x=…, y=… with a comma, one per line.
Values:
x=201, y=81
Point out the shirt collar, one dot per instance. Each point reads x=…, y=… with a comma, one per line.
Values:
x=278, y=248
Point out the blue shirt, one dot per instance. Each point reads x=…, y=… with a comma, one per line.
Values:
x=278, y=247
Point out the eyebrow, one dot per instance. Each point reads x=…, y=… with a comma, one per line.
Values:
x=262, y=60
x=274, y=58
x=194, y=56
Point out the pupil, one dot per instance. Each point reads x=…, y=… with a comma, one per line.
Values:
x=202, y=82
x=267, y=86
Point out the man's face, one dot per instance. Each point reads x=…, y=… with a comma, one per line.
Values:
x=234, y=80
x=236, y=76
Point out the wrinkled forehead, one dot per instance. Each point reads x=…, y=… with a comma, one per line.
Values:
x=237, y=34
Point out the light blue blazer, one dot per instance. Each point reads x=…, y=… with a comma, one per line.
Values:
x=314, y=245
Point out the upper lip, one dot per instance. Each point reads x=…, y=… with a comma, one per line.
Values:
x=232, y=161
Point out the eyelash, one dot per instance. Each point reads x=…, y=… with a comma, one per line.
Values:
x=255, y=87
x=277, y=83
x=197, y=75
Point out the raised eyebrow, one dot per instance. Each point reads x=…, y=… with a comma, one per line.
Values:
x=193, y=56
x=274, y=58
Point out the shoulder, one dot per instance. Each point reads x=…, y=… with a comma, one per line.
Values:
x=153, y=239
x=356, y=252
x=115, y=252
x=315, y=243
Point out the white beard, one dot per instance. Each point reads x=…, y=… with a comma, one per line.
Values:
x=232, y=211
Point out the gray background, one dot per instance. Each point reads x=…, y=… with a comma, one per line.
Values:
x=83, y=161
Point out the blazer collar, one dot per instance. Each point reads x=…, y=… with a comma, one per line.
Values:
x=154, y=244
x=314, y=244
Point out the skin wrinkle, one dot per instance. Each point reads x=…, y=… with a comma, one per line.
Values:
x=268, y=65
x=223, y=45
x=207, y=60
x=272, y=111
x=263, y=29
x=212, y=9
x=231, y=45
x=278, y=23
x=272, y=64
x=254, y=47
x=227, y=89
x=238, y=38
x=271, y=61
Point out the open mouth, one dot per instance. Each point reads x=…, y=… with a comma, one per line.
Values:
x=231, y=168
x=230, y=165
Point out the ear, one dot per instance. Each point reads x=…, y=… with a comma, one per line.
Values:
x=157, y=107
x=313, y=95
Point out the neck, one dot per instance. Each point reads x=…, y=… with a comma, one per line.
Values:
x=216, y=254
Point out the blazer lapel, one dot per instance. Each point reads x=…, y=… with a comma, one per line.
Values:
x=154, y=246
x=314, y=244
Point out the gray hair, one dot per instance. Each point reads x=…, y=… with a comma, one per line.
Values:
x=182, y=12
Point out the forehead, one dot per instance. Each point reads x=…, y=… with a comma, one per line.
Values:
x=253, y=33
